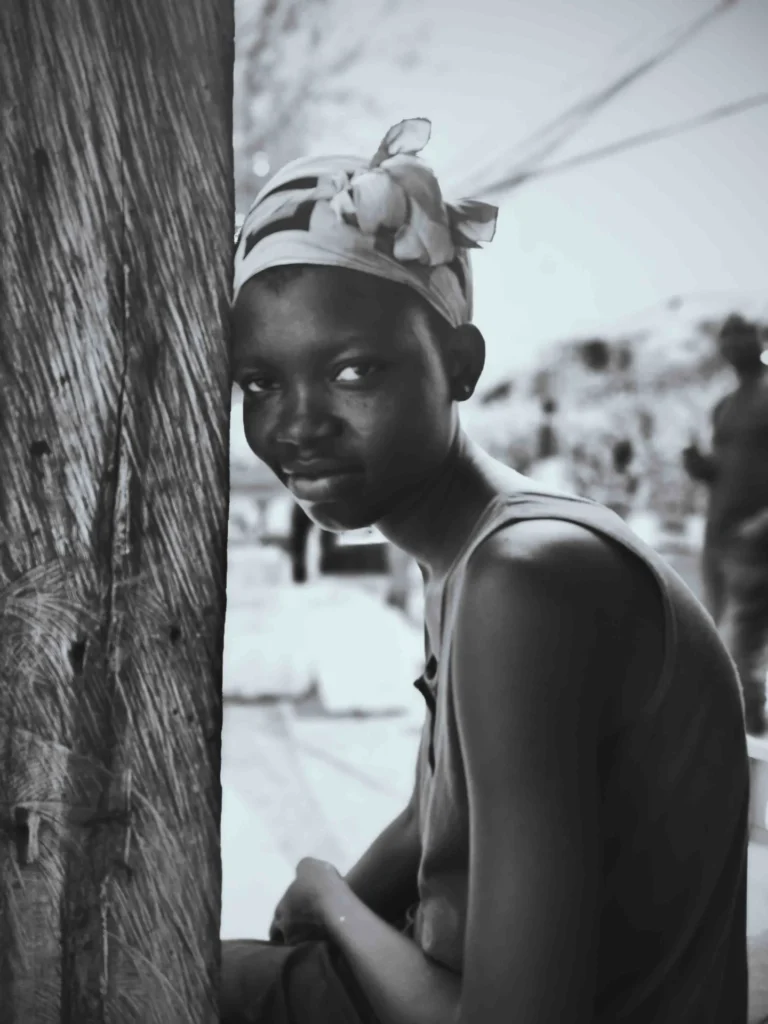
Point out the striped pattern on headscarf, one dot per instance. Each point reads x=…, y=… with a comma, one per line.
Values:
x=289, y=223
x=384, y=217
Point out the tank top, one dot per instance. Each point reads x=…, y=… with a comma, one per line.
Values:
x=674, y=791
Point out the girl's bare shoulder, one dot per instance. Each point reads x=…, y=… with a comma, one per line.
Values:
x=581, y=567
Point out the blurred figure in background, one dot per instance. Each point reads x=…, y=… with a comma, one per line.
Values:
x=623, y=483
x=548, y=446
x=301, y=525
x=400, y=568
x=735, y=557
x=550, y=466
x=298, y=542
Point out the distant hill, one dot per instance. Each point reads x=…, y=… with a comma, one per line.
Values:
x=651, y=380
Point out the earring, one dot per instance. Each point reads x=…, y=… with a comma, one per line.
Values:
x=466, y=389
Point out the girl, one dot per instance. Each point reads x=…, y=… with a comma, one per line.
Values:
x=575, y=846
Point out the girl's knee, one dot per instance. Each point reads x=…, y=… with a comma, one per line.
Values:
x=250, y=970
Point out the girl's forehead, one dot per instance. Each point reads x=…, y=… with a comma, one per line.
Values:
x=306, y=321
x=308, y=315
x=327, y=290
x=328, y=301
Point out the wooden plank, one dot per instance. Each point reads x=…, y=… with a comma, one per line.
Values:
x=116, y=213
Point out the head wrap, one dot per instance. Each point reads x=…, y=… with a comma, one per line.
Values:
x=385, y=217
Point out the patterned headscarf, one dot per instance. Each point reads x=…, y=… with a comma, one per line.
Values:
x=385, y=217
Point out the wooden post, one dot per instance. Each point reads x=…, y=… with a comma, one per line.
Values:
x=116, y=227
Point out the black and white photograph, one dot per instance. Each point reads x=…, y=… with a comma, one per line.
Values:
x=383, y=512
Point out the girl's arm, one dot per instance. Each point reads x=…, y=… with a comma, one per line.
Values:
x=528, y=677
x=401, y=984
x=539, y=635
x=384, y=878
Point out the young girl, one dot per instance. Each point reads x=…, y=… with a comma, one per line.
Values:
x=575, y=846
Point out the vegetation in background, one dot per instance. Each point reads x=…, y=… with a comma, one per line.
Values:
x=627, y=404
x=293, y=60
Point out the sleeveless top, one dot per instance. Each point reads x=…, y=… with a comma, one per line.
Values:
x=674, y=781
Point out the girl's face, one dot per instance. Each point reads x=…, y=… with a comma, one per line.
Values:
x=346, y=399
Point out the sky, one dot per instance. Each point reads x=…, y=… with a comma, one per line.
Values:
x=577, y=252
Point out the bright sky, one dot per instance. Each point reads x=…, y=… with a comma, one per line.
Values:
x=572, y=253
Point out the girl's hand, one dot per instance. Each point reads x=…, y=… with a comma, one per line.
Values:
x=299, y=915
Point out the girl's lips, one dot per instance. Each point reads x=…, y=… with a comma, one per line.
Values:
x=323, y=486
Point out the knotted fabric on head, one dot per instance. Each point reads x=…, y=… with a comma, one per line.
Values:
x=385, y=217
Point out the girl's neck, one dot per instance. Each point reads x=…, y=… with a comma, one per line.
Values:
x=433, y=523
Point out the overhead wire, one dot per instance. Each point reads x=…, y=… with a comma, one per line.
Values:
x=629, y=142
x=550, y=137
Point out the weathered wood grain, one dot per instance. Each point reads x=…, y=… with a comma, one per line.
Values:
x=116, y=226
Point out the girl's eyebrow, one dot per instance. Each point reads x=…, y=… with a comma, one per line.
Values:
x=242, y=362
x=323, y=348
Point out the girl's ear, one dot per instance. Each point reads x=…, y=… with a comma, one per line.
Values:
x=465, y=352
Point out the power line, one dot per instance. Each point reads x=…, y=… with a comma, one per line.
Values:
x=631, y=142
x=552, y=135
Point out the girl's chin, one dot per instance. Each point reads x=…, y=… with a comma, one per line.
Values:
x=337, y=518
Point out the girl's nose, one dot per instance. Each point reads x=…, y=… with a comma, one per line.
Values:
x=305, y=419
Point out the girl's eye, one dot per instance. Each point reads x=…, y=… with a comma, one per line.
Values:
x=352, y=373
x=258, y=385
x=355, y=371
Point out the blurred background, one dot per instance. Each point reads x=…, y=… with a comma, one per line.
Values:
x=625, y=146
